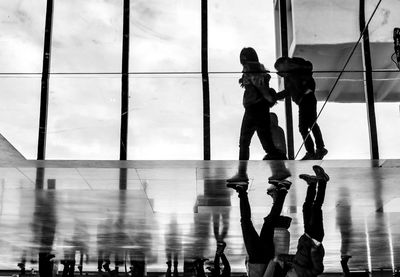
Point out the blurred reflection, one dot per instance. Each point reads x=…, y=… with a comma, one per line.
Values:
x=278, y=167
x=209, y=208
x=278, y=134
x=173, y=247
x=344, y=221
x=44, y=222
x=300, y=86
x=76, y=245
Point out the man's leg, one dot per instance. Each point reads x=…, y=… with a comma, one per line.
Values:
x=316, y=222
x=306, y=120
x=267, y=232
x=319, y=142
x=309, y=201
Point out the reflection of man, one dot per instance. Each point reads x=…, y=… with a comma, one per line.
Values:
x=308, y=260
x=278, y=135
x=260, y=248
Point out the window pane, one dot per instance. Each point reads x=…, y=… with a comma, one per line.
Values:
x=87, y=36
x=386, y=80
x=21, y=51
x=165, y=36
x=19, y=113
x=343, y=125
x=226, y=118
x=22, y=32
x=166, y=117
x=232, y=25
x=84, y=118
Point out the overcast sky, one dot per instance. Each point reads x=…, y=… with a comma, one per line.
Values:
x=165, y=120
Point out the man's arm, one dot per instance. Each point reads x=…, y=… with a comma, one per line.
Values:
x=281, y=95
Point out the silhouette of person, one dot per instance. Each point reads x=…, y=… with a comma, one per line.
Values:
x=258, y=97
x=300, y=85
x=308, y=260
x=260, y=247
x=69, y=264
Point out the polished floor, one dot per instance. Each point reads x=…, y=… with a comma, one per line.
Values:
x=157, y=209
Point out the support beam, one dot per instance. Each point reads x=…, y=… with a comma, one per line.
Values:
x=368, y=84
x=288, y=101
x=44, y=96
x=123, y=146
x=205, y=82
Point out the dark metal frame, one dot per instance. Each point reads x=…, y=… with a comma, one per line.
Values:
x=288, y=100
x=368, y=83
x=205, y=82
x=44, y=96
x=123, y=147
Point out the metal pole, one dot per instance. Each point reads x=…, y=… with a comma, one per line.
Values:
x=41, y=153
x=288, y=101
x=368, y=84
x=125, y=83
x=205, y=81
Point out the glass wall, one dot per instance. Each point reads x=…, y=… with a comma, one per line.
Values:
x=386, y=76
x=166, y=96
x=229, y=32
x=165, y=117
x=84, y=102
x=21, y=46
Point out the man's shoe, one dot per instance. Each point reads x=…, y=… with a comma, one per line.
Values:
x=308, y=156
x=310, y=179
x=321, y=175
x=238, y=177
x=320, y=153
x=239, y=187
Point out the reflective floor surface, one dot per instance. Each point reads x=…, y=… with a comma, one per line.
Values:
x=160, y=209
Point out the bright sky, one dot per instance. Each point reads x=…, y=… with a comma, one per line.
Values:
x=165, y=120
